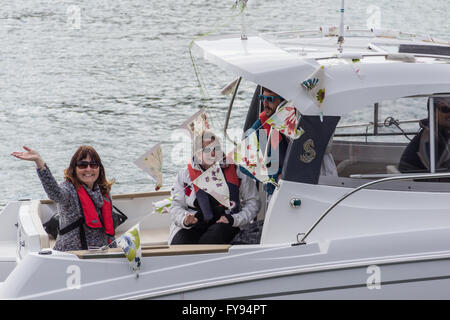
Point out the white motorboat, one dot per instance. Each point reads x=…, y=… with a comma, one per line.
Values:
x=370, y=232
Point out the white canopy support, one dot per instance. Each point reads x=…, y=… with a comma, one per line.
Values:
x=263, y=63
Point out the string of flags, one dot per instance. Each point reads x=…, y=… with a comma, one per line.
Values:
x=315, y=86
x=285, y=121
x=151, y=162
x=162, y=206
x=213, y=182
x=246, y=154
x=197, y=123
x=130, y=243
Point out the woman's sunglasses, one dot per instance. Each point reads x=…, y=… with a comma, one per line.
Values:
x=268, y=98
x=210, y=149
x=85, y=164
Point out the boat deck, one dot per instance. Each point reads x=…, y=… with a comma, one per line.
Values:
x=151, y=251
x=154, y=237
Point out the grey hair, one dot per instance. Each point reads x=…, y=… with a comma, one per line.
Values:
x=203, y=136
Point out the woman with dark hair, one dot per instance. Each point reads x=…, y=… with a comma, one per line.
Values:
x=83, y=201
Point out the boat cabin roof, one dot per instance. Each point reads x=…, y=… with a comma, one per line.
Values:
x=391, y=65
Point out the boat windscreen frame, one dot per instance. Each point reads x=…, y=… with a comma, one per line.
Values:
x=230, y=107
x=304, y=155
x=430, y=186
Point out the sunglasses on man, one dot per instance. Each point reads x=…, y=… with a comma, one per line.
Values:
x=85, y=164
x=268, y=98
x=443, y=109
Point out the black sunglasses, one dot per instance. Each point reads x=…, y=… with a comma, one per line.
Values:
x=85, y=164
x=210, y=149
x=444, y=109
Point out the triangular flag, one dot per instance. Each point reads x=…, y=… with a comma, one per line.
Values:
x=162, y=206
x=130, y=243
x=356, y=66
x=229, y=88
x=197, y=123
x=151, y=162
x=286, y=122
x=249, y=156
x=315, y=84
x=213, y=182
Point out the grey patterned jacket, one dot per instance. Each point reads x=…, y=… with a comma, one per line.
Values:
x=70, y=211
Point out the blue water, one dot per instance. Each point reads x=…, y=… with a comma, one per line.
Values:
x=117, y=75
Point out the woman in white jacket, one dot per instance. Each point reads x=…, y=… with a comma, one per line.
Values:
x=199, y=218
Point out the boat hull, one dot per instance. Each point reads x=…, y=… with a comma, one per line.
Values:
x=413, y=265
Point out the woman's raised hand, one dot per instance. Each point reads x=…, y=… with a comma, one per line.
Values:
x=30, y=155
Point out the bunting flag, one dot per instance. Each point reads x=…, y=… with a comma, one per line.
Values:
x=213, y=182
x=315, y=84
x=285, y=121
x=162, y=206
x=355, y=64
x=197, y=123
x=248, y=155
x=130, y=243
x=229, y=88
x=151, y=162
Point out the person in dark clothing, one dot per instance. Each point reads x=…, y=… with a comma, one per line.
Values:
x=416, y=156
x=278, y=142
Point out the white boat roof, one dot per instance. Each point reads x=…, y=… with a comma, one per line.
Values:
x=282, y=61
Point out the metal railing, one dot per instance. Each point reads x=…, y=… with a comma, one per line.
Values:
x=227, y=119
x=371, y=183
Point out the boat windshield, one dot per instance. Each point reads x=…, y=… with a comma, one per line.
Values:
x=392, y=138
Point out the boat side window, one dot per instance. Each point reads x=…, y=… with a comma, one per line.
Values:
x=387, y=139
x=441, y=113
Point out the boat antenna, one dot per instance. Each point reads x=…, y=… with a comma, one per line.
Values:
x=341, y=28
x=242, y=4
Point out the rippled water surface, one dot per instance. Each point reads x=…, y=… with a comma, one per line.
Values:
x=117, y=75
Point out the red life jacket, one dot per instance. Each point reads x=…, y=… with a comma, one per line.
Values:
x=90, y=213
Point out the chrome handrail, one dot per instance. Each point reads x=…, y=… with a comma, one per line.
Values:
x=396, y=178
x=229, y=112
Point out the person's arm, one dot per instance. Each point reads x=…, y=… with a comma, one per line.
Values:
x=410, y=161
x=250, y=202
x=180, y=216
x=58, y=193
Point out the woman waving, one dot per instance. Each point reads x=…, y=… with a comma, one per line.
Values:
x=83, y=201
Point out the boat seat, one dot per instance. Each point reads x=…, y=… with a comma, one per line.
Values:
x=36, y=218
x=154, y=236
